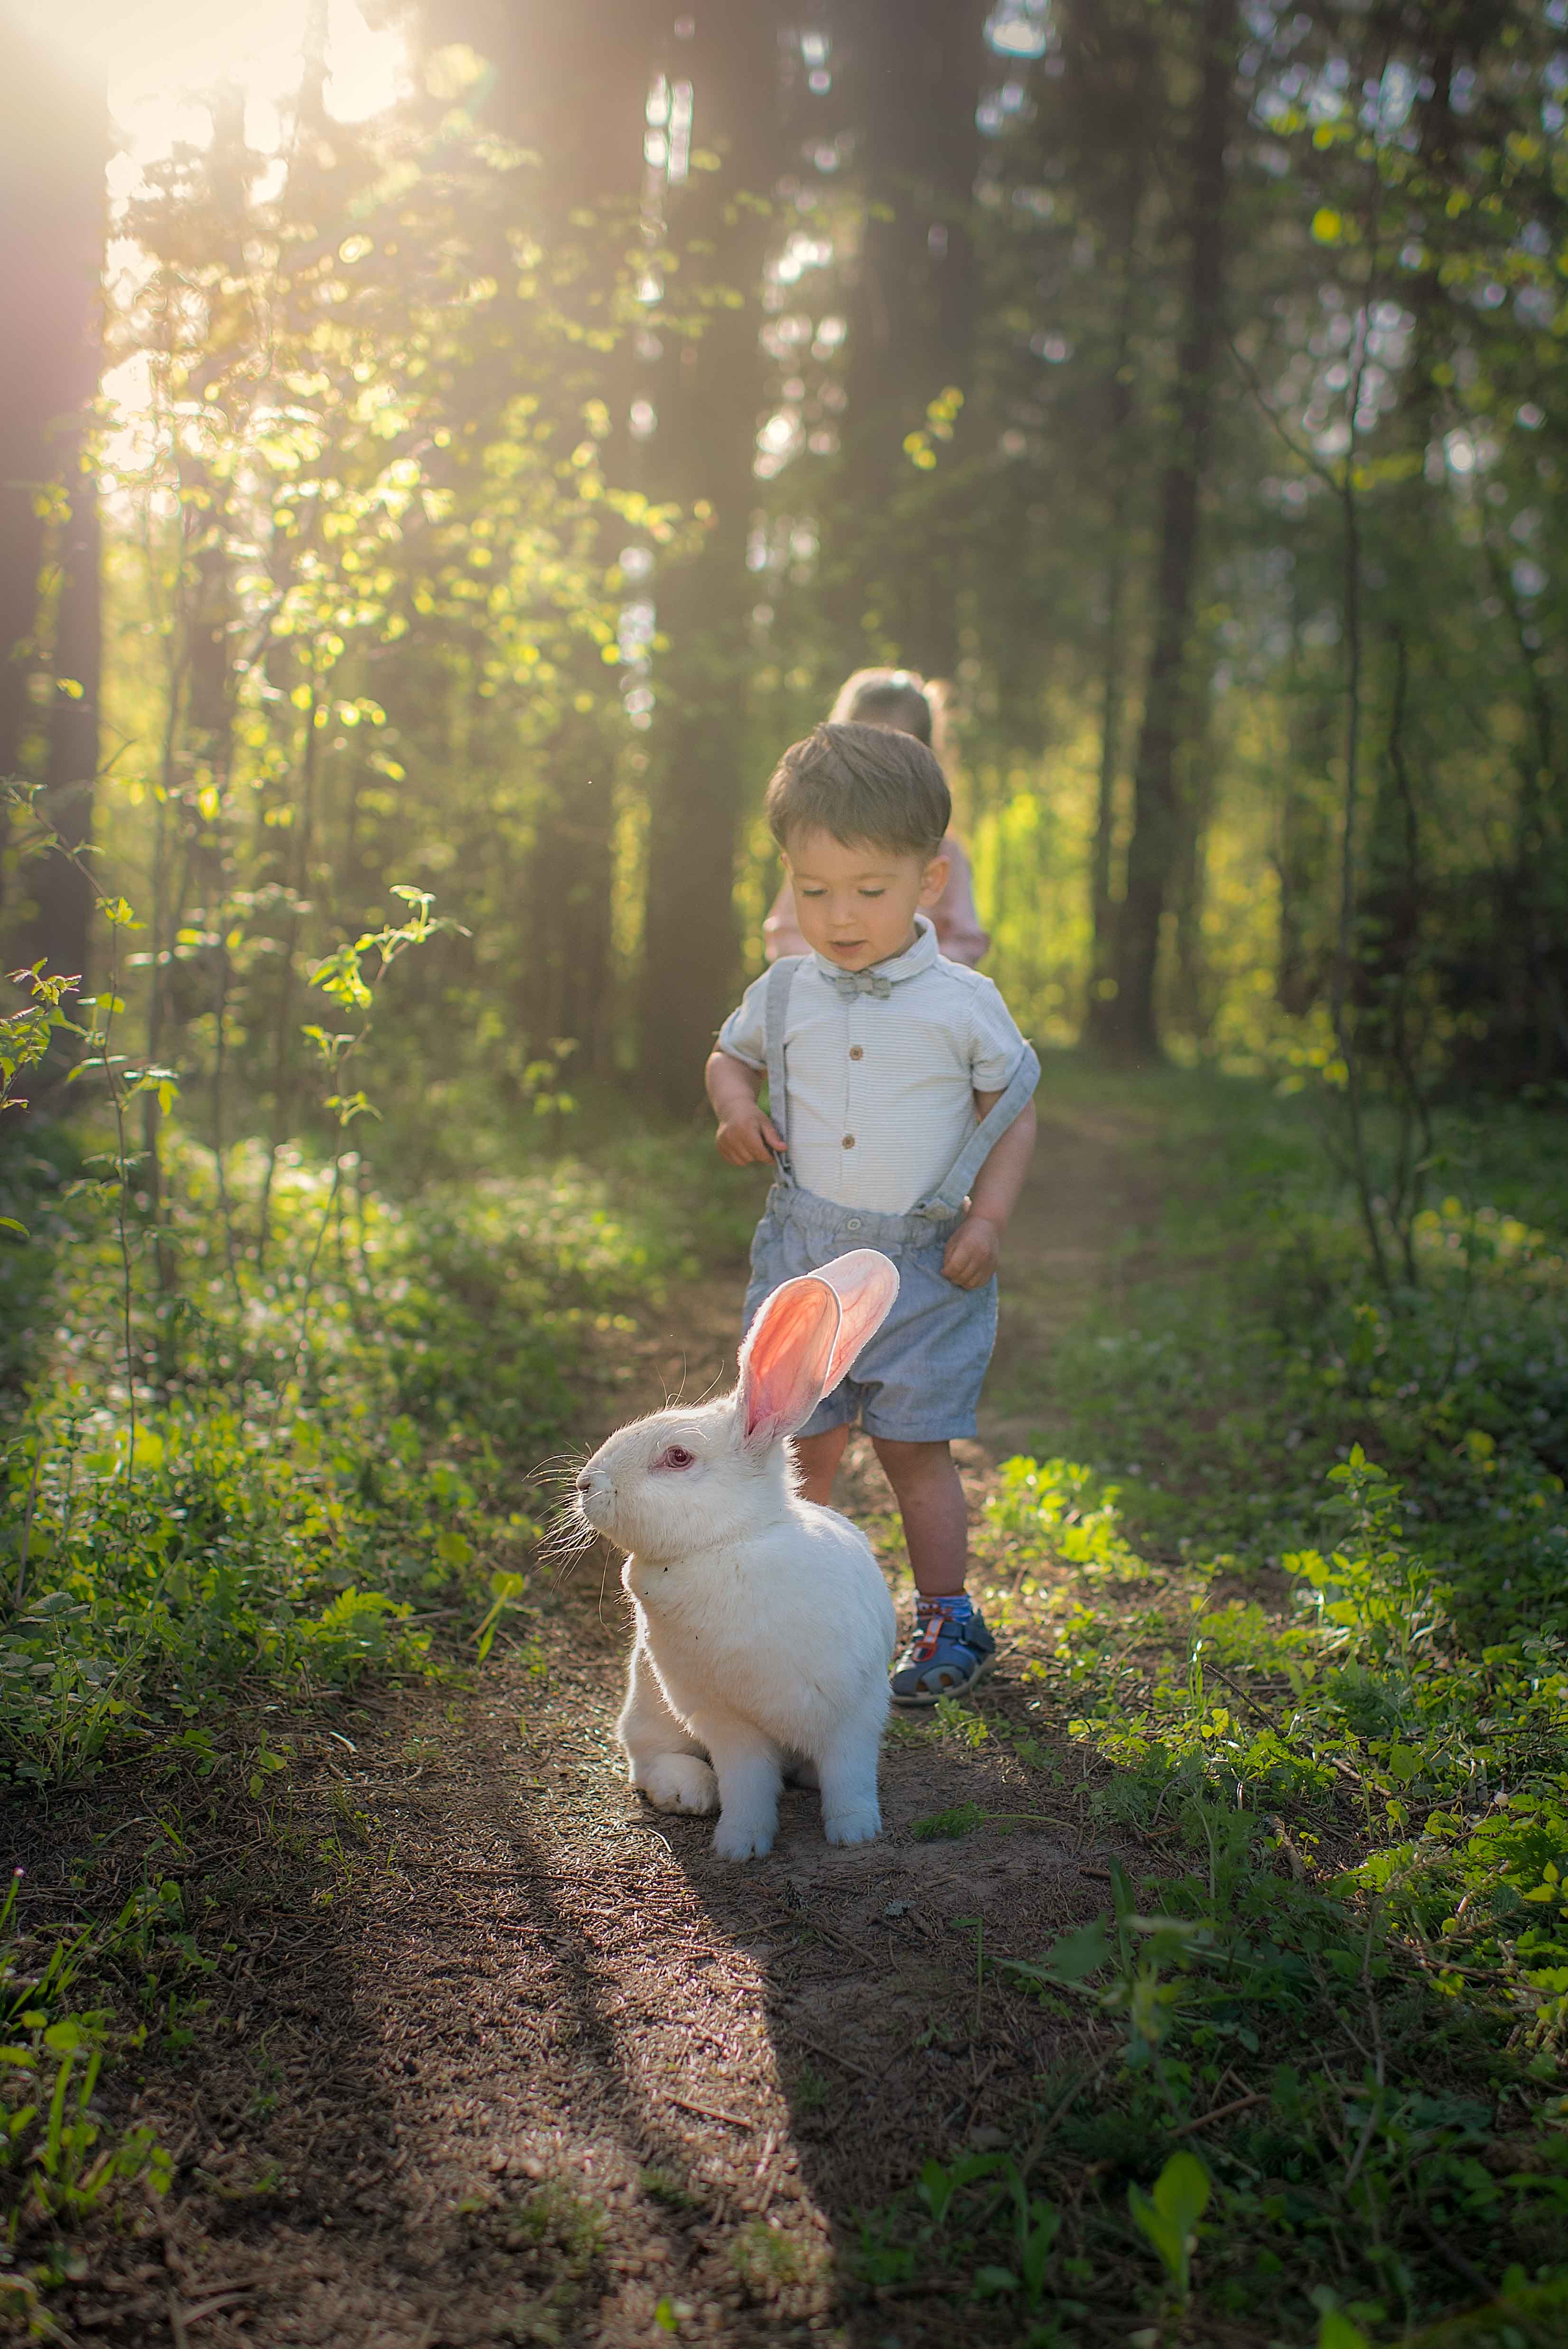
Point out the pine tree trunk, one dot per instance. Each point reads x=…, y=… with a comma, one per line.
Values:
x=571, y=83
x=1191, y=993
x=1155, y=848
x=893, y=578
x=708, y=400
x=54, y=145
x=62, y=892
x=1301, y=852
x=569, y=884
x=1119, y=409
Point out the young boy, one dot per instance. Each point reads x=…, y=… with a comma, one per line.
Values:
x=901, y=1118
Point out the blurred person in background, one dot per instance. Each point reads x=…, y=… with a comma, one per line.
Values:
x=905, y=703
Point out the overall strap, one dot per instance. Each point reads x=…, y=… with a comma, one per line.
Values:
x=950, y=1193
x=781, y=978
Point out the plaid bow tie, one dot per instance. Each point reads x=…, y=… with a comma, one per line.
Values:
x=851, y=983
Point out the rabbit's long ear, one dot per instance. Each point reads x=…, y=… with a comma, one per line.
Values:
x=785, y=1360
x=865, y=1283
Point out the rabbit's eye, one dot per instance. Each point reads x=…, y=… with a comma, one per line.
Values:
x=675, y=1456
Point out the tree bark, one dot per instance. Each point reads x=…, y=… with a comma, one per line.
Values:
x=572, y=84
x=569, y=885
x=1301, y=851
x=63, y=892
x=896, y=552
x=709, y=398
x=54, y=144
x=1156, y=844
x=1119, y=411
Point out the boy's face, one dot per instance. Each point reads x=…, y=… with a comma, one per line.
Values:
x=855, y=902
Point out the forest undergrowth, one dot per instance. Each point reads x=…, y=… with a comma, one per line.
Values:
x=1317, y=1706
x=337, y=1466
x=1295, y=1598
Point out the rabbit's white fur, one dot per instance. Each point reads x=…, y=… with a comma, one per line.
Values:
x=763, y=1628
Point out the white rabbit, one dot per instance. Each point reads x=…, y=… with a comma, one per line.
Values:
x=764, y=1629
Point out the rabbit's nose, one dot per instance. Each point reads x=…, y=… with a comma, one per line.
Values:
x=586, y=1481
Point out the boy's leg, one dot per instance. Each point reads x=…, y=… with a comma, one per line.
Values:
x=936, y=1516
x=820, y=1456
x=951, y=1647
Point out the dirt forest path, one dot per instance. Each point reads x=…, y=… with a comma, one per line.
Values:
x=533, y=2067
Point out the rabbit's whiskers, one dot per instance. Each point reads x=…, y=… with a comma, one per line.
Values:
x=558, y=1480
x=568, y=1537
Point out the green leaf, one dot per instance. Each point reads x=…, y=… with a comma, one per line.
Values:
x=454, y=1550
x=1181, y=2190
x=1078, y=1954
x=935, y=2189
x=1337, y=2331
x=947, y=1826
x=1152, y=2223
x=990, y=2283
x=664, y=2317
x=1404, y=1763
x=1167, y=2216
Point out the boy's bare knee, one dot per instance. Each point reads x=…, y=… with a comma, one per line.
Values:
x=912, y=1464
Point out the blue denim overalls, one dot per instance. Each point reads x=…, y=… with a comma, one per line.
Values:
x=919, y=1379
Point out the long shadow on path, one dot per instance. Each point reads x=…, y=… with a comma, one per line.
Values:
x=542, y=2069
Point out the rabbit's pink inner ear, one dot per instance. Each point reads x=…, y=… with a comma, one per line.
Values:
x=784, y=1361
x=865, y=1283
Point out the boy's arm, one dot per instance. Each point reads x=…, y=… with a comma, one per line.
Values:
x=745, y=1137
x=972, y=1254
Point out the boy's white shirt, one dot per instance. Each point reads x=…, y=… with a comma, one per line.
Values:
x=882, y=1088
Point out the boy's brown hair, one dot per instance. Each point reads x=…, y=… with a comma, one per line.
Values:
x=862, y=782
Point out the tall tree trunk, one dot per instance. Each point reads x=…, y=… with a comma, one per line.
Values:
x=54, y=145
x=1191, y=993
x=63, y=894
x=896, y=545
x=708, y=402
x=1120, y=413
x=572, y=84
x=1156, y=829
x=1301, y=845
x=569, y=884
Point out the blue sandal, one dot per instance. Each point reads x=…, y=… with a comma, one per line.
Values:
x=942, y=1658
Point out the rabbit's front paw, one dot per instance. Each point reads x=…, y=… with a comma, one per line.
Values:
x=860, y=1823
x=743, y=1838
x=678, y=1782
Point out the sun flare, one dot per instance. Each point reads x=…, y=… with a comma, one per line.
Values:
x=161, y=58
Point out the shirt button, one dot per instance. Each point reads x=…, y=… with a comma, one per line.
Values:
x=849, y=1142
x=853, y=1225
x=857, y=1051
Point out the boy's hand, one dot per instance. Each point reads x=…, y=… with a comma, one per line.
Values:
x=974, y=1252
x=749, y=1139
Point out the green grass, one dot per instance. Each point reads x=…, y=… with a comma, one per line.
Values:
x=1331, y=1718
x=314, y=1469
x=337, y=1470
x=1321, y=1706
x=1244, y=1349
